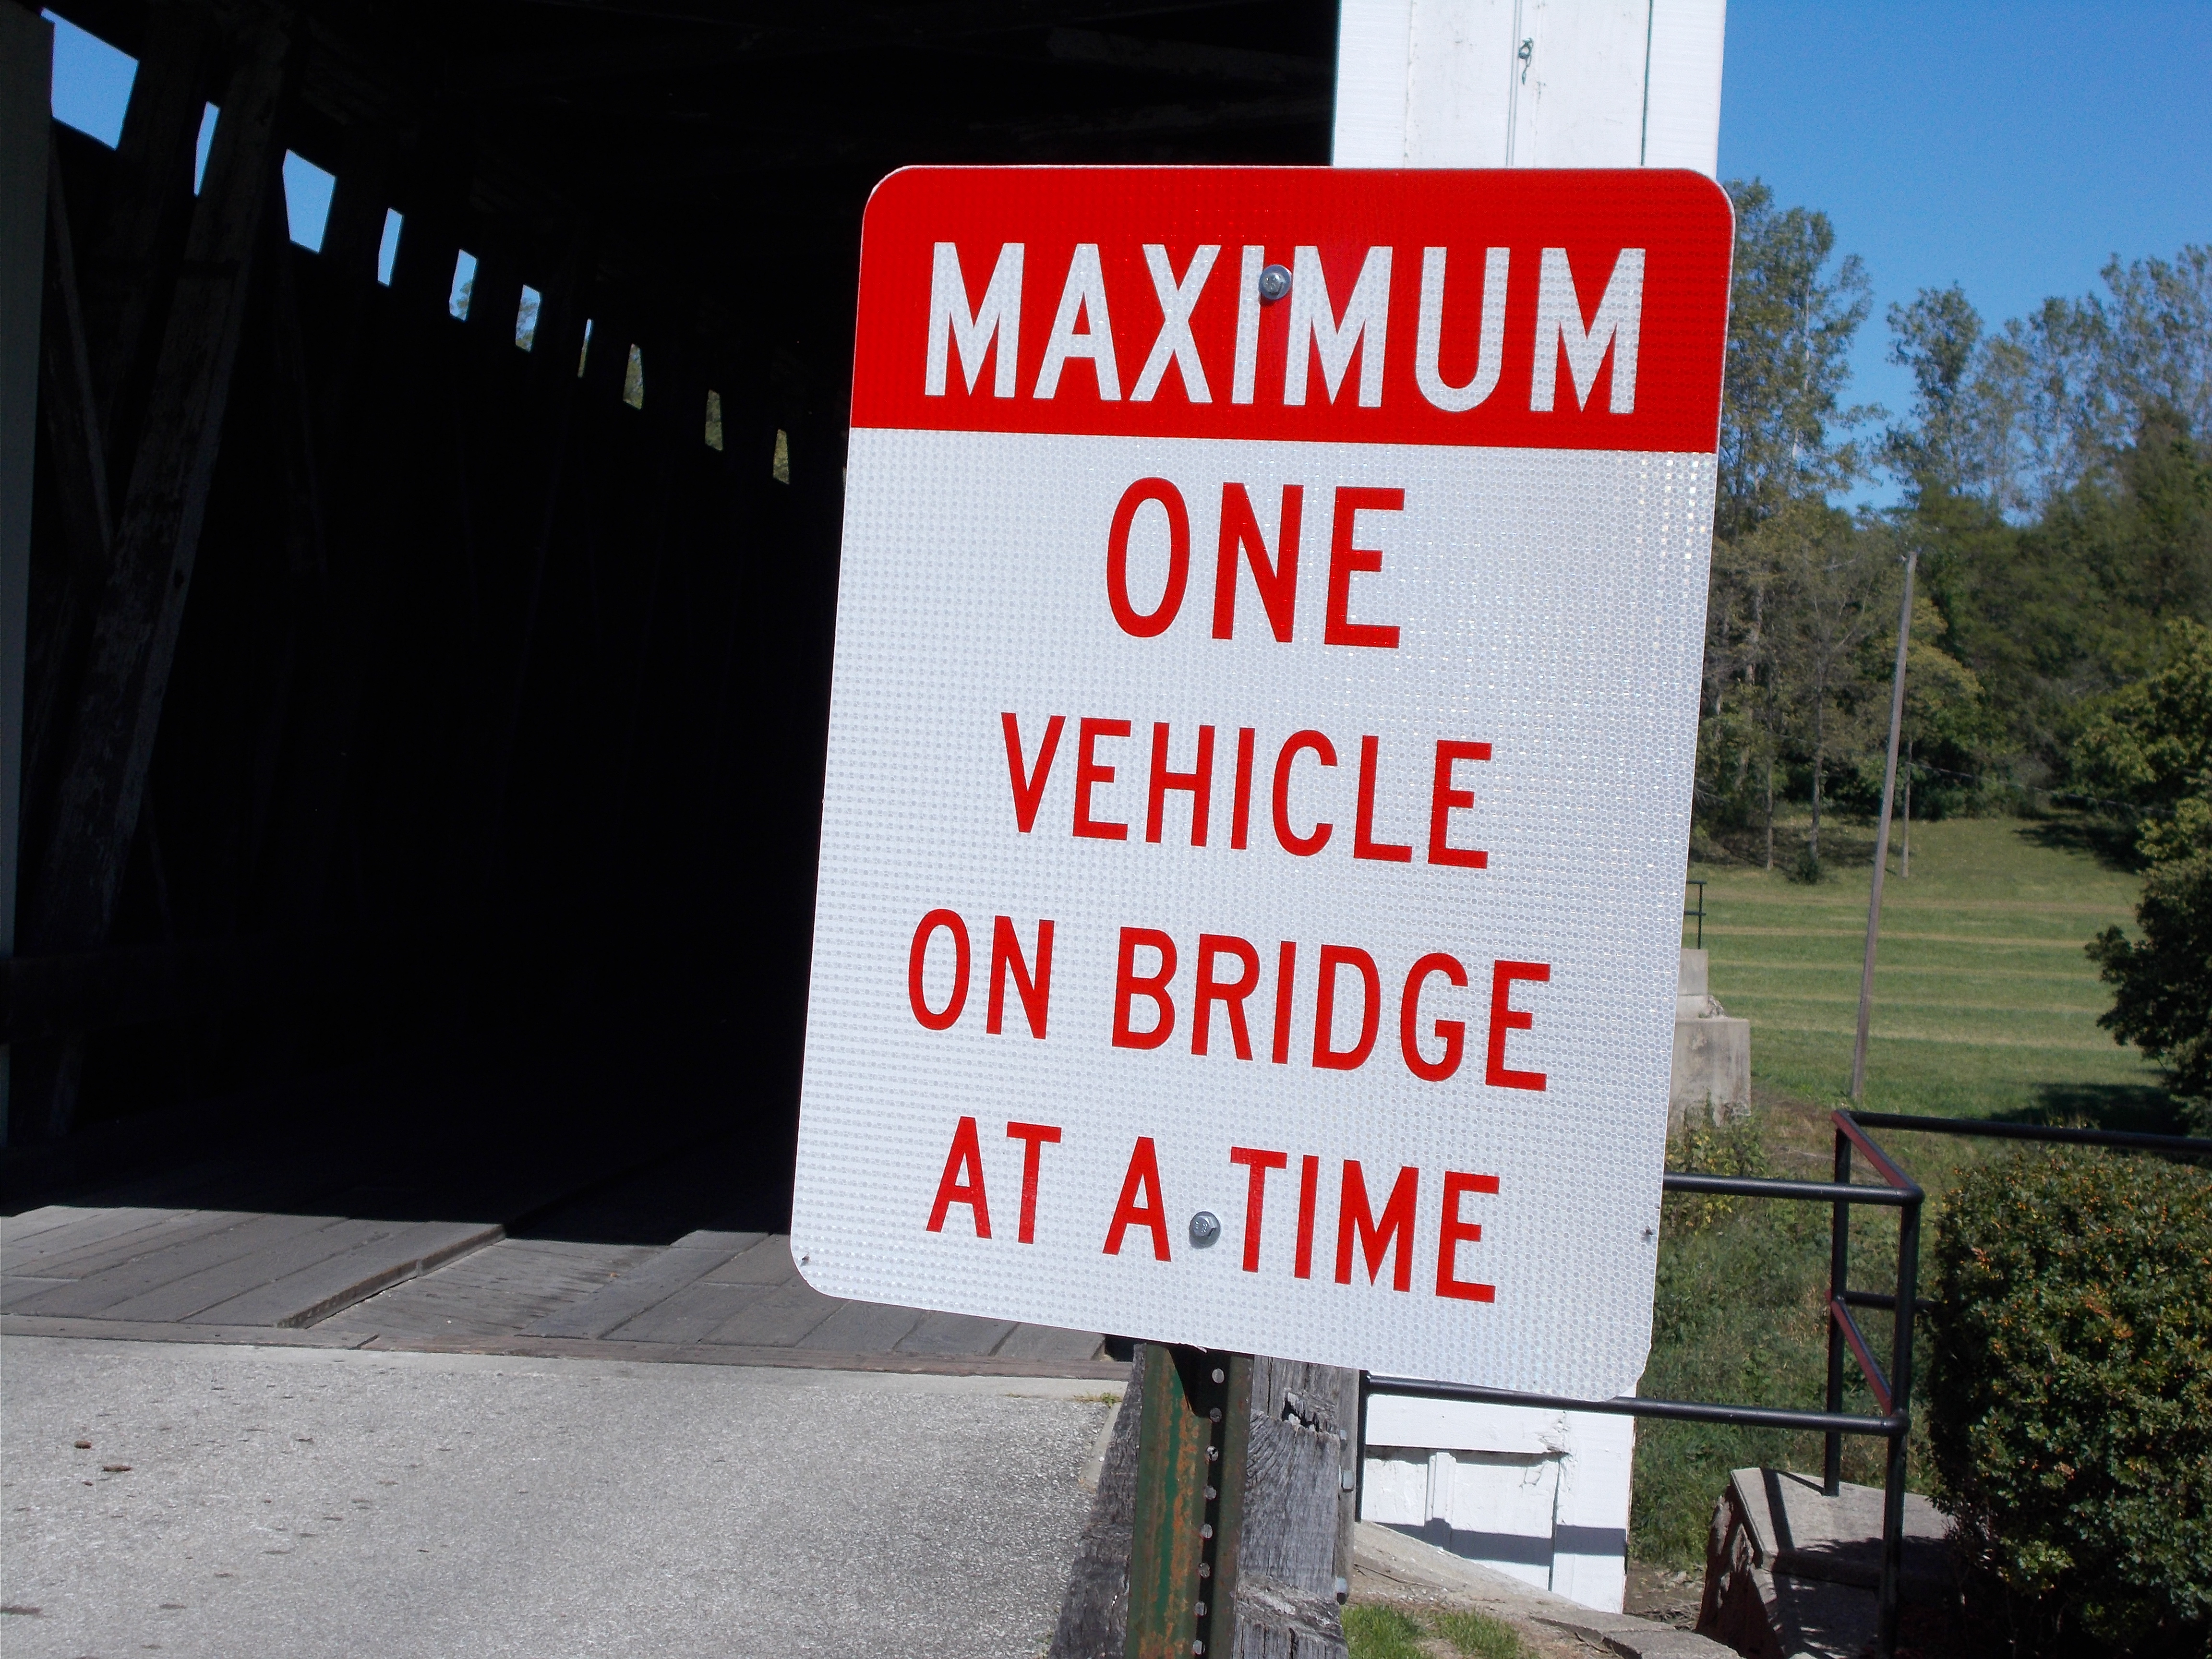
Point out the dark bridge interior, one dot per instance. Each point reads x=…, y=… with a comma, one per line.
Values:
x=431, y=608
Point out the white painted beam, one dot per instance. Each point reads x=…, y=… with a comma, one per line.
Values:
x=1529, y=84
x=1541, y=1495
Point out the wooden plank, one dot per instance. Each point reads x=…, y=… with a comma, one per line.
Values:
x=768, y=1263
x=102, y=1252
x=179, y=1258
x=17, y=1291
x=75, y=1230
x=27, y=1224
x=945, y=1333
x=106, y=754
x=646, y=1285
x=862, y=1327
x=693, y=1313
x=730, y=1245
x=139, y=1330
x=260, y=1256
x=507, y=1287
x=1050, y=1342
x=319, y=1290
x=780, y=1316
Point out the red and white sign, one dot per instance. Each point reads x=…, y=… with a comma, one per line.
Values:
x=1260, y=755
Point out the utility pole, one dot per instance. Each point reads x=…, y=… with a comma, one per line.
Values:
x=1881, y=836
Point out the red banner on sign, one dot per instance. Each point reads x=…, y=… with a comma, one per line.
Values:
x=1425, y=306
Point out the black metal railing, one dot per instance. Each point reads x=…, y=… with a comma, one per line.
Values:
x=1891, y=1387
x=1697, y=910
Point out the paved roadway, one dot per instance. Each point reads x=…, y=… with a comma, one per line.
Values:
x=306, y=1502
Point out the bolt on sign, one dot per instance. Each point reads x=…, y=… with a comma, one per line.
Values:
x=1268, y=648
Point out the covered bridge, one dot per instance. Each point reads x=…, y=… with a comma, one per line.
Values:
x=425, y=652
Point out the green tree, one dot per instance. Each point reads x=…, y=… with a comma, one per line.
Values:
x=1938, y=338
x=1794, y=311
x=1830, y=583
x=2149, y=744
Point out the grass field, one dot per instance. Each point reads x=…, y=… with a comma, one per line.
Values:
x=1985, y=1007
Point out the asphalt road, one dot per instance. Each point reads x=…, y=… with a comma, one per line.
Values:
x=303, y=1501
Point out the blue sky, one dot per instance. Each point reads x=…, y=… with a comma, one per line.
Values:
x=2011, y=149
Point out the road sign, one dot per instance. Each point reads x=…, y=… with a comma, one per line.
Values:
x=1269, y=641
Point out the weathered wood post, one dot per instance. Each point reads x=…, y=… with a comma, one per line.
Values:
x=1229, y=1534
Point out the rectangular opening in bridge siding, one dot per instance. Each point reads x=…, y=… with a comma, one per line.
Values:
x=307, y=201
x=584, y=351
x=780, y=468
x=465, y=282
x=92, y=82
x=525, y=319
x=714, y=420
x=634, y=379
x=208, y=117
x=388, y=249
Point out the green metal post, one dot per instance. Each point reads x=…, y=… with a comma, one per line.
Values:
x=1189, y=1501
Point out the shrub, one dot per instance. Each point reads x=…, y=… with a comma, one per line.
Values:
x=2162, y=1002
x=2069, y=1401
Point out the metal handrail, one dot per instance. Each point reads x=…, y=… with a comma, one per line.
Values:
x=1891, y=1389
x=1700, y=913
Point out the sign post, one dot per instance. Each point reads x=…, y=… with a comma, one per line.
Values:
x=1270, y=633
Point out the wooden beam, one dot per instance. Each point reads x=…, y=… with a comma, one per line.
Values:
x=823, y=27
x=118, y=713
x=26, y=97
x=1294, y=1554
x=149, y=201
x=1184, y=57
x=78, y=456
x=353, y=235
x=67, y=400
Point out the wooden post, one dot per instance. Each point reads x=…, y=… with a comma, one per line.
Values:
x=119, y=712
x=1273, y=1478
x=26, y=46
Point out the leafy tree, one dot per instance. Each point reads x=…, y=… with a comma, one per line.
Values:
x=2162, y=982
x=2149, y=744
x=2064, y=391
x=1937, y=337
x=1792, y=318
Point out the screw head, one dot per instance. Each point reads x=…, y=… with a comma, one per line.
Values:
x=1205, y=1228
x=1220, y=1375
x=1274, y=283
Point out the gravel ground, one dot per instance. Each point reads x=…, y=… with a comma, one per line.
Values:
x=299, y=1502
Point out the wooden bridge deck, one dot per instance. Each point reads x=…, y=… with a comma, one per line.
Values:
x=522, y=1263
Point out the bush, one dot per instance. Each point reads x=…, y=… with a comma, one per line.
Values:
x=2069, y=1399
x=2162, y=1002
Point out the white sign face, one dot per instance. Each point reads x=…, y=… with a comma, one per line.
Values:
x=1260, y=759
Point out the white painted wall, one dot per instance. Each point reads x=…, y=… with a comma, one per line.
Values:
x=1541, y=1495
x=1604, y=83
